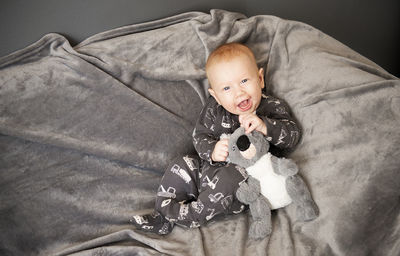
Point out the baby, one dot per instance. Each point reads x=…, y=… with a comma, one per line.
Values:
x=196, y=188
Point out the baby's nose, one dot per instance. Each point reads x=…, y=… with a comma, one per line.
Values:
x=240, y=92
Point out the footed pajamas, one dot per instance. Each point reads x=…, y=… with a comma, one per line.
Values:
x=194, y=188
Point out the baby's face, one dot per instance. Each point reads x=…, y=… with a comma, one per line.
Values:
x=236, y=84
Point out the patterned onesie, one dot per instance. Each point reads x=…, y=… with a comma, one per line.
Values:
x=194, y=188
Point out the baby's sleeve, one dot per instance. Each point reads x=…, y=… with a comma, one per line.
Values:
x=282, y=129
x=204, y=138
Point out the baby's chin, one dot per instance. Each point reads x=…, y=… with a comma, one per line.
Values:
x=240, y=112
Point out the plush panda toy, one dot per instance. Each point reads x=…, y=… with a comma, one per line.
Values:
x=273, y=182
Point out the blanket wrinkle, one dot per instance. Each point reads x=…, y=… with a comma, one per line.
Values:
x=200, y=88
x=350, y=91
x=365, y=66
x=86, y=133
x=61, y=137
x=141, y=27
x=133, y=63
x=31, y=53
x=215, y=29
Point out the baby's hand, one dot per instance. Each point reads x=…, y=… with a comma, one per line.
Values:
x=252, y=122
x=220, y=153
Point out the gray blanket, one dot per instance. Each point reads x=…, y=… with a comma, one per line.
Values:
x=86, y=132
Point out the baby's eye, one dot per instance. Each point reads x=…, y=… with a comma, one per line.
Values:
x=226, y=88
x=244, y=81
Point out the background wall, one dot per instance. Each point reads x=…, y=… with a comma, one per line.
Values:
x=371, y=27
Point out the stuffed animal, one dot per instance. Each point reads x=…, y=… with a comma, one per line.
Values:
x=273, y=182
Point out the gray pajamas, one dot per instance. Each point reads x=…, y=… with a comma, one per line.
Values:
x=194, y=188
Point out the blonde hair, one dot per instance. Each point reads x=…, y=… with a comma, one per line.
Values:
x=227, y=52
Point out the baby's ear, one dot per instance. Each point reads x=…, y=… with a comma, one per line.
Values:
x=261, y=77
x=212, y=93
x=261, y=72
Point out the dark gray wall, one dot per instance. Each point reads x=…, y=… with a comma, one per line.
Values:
x=371, y=27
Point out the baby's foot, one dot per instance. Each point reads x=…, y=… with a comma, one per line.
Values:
x=153, y=222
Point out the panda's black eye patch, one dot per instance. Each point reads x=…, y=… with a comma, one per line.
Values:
x=243, y=143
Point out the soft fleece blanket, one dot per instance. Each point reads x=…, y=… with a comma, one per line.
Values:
x=86, y=132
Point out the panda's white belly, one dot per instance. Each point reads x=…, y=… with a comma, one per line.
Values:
x=273, y=186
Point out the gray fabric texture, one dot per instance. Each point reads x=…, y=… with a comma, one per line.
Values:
x=86, y=132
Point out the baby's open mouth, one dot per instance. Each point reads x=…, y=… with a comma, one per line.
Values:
x=245, y=105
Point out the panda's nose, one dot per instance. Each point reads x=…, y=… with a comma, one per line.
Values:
x=243, y=143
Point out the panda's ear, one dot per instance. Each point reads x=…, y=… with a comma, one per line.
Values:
x=259, y=141
x=257, y=135
x=241, y=130
x=236, y=134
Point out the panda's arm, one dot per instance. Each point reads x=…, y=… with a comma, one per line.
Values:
x=284, y=166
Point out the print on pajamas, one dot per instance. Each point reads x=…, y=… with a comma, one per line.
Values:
x=210, y=114
x=198, y=206
x=183, y=211
x=146, y=227
x=194, y=224
x=205, y=155
x=243, y=172
x=211, y=183
x=140, y=220
x=211, y=215
x=190, y=163
x=169, y=193
x=242, y=207
x=164, y=230
x=225, y=122
x=216, y=197
x=195, y=140
x=227, y=201
x=281, y=137
x=212, y=128
x=269, y=100
x=294, y=135
x=165, y=202
x=181, y=173
x=281, y=110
